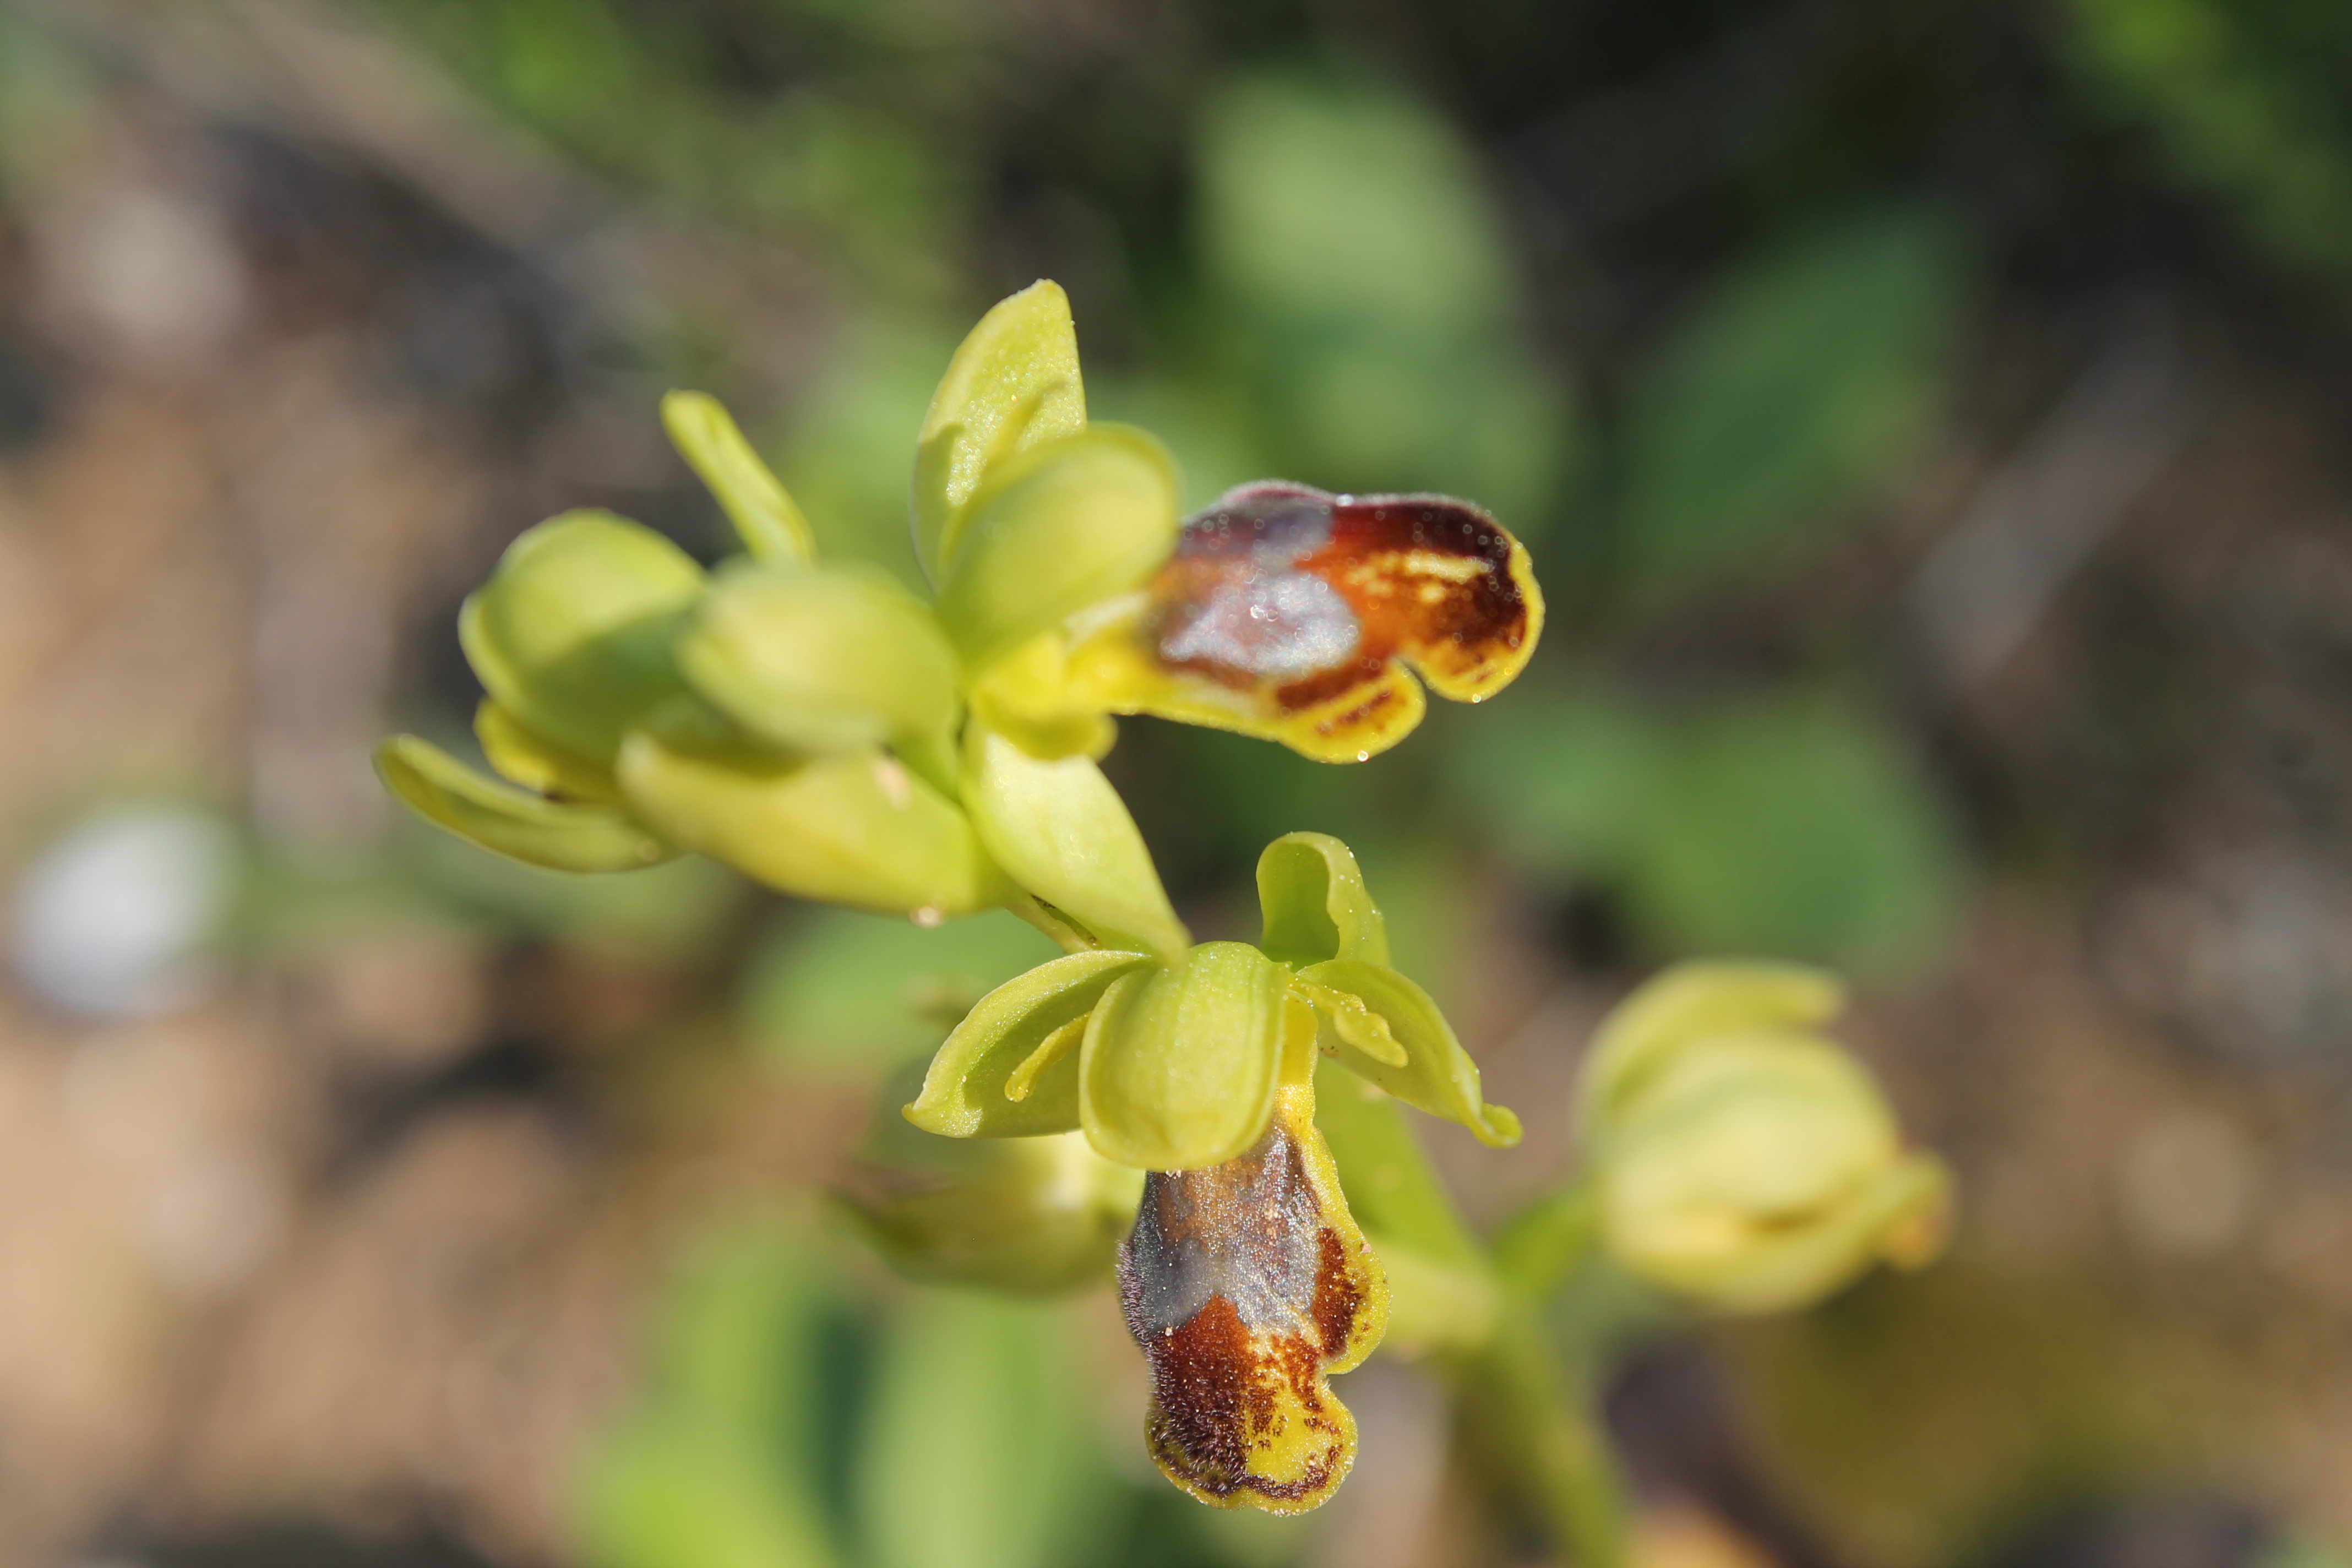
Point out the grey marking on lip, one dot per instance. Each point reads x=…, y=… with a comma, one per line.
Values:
x=1274, y=525
x=1276, y=626
x=1247, y=1230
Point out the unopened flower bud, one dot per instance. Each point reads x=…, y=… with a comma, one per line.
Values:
x=820, y=658
x=1036, y=1215
x=1745, y=1160
x=572, y=634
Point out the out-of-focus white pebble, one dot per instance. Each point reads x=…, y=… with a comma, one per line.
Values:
x=110, y=919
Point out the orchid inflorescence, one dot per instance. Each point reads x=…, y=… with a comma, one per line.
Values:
x=837, y=737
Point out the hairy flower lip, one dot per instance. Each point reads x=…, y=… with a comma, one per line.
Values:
x=1248, y=1285
x=1420, y=573
x=1292, y=613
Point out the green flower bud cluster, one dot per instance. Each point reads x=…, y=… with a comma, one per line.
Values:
x=811, y=723
x=1743, y=1161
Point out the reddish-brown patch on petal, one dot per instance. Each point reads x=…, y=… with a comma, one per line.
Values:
x=1246, y=1284
x=1286, y=611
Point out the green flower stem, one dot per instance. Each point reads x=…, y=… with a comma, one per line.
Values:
x=1038, y=913
x=1538, y=1429
x=1526, y=1412
x=1550, y=1239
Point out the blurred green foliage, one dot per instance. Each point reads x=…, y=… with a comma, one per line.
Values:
x=722, y=1462
x=1784, y=825
x=1798, y=382
x=833, y=988
x=2243, y=99
x=799, y=1414
x=1359, y=282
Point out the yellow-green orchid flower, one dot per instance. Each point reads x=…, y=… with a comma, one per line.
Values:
x=1744, y=1160
x=1246, y=1281
x=805, y=721
x=1280, y=611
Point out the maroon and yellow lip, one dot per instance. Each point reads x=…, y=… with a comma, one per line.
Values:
x=1247, y=1284
x=1291, y=614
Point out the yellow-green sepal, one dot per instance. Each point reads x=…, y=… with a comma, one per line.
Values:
x=1693, y=1001
x=1013, y=383
x=1311, y=894
x=1436, y=1074
x=819, y=658
x=1010, y=1069
x=556, y=835
x=857, y=828
x=1762, y=1171
x=1060, y=830
x=764, y=514
x=520, y=757
x=1181, y=1062
x=572, y=634
x=1063, y=525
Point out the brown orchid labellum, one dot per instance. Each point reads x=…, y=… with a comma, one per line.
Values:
x=1291, y=614
x=1248, y=1285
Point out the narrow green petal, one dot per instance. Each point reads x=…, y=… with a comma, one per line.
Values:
x=820, y=658
x=513, y=822
x=1060, y=830
x=965, y=1092
x=858, y=829
x=1066, y=524
x=1013, y=382
x=1311, y=894
x=1438, y=1076
x=1691, y=1001
x=1356, y=1024
x=762, y=511
x=1181, y=1064
x=572, y=634
x=523, y=758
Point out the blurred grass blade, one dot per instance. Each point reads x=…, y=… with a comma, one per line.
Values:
x=1796, y=828
x=723, y=1465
